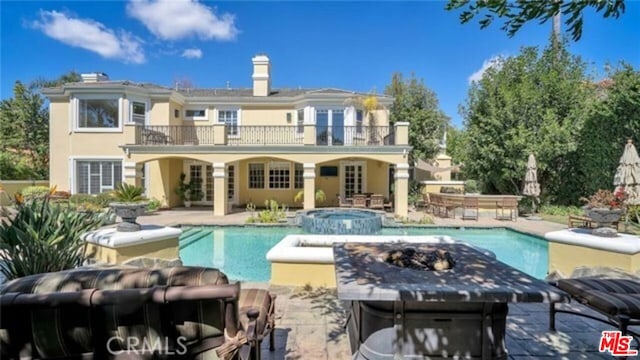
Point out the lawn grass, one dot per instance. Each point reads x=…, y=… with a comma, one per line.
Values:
x=559, y=219
x=563, y=219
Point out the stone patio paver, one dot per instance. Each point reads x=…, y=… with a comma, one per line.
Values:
x=319, y=334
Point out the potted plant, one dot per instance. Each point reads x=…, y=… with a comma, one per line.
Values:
x=604, y=207
x=195, y=190
x=130, y=203
x=182, y=190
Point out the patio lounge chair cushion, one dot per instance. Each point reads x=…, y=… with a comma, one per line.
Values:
x=260, y=300
x=609, y=296
x=69, y=312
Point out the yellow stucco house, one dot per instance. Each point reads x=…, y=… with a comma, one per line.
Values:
x=242, y=145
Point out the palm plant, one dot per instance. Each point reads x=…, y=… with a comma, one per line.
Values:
x=129, y=193
x=43, y=237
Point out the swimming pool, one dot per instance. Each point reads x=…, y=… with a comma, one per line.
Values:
x=240, y=251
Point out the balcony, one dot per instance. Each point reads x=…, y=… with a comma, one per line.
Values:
x=289, y=135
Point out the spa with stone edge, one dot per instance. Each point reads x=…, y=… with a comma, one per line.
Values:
x=401, y=307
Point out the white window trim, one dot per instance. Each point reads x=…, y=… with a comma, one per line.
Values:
x=238, y=111
x=197, y=118
x=147, y=109
x=265, y=179
x=268, y=171
x=75, y=112
x=72, y=167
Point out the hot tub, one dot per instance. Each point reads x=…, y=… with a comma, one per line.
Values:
x=341, y=221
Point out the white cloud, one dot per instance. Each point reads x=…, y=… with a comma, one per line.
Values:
x=178, y=19
x=192, y=53
x=91, y=35
x=495, y=61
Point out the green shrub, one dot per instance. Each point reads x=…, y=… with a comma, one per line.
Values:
x=633, y=214
x=471, y=186
x=153, y=204
x=34, y=192
x=560, y=210
x=88, y=202
x=43, y=237
x=103, y=199
x=272, y=213
x=415, y=192
x=450, y=190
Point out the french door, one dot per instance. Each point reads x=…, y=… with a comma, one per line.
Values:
x=204, y=174
x=352, y=178
x=330, y=126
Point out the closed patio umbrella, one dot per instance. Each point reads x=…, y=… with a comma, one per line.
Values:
x=628, y=174
x=531, y=186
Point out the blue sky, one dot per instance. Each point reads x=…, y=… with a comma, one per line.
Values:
x=349, y=45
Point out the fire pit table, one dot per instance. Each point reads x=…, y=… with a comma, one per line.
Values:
x=397, y=310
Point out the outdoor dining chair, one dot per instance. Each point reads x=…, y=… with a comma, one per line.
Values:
x=342, y=202
x=376, y=202
x=507, y=204
x=470, y=203
x=359, y=201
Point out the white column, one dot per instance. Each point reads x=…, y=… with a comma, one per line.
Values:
x=401, y=190
x=219, y=189
x=309, y=177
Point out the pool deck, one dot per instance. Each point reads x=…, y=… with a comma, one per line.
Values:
x=309, y=322
x=204, y=216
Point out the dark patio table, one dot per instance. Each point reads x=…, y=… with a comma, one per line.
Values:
x=405, y=313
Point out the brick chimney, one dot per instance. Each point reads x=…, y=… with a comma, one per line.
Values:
x=94, y=77
x=261, y=76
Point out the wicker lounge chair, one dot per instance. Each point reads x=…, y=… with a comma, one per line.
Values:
x=504, y=205
x=618, y=300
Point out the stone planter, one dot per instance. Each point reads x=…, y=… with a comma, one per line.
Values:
x=604, y=217
x=129, y=212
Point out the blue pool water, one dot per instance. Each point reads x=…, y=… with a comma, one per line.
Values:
x=240, y=251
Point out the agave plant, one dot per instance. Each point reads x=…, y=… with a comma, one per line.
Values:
x=129, y=193
x=43, y=237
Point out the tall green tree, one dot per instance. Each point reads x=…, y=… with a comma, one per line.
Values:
x=418, y=105
x=517, y=13
x=613, y=118
x=530, y=103
x=457, y=144
x=24, y=130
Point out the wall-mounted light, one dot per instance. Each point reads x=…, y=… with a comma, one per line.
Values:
x=176, y=113
x=289, y=117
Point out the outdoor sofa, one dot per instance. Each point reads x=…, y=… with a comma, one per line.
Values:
x=133, y=313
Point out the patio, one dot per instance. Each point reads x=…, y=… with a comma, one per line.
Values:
x=310, y=321
x=309, y=325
